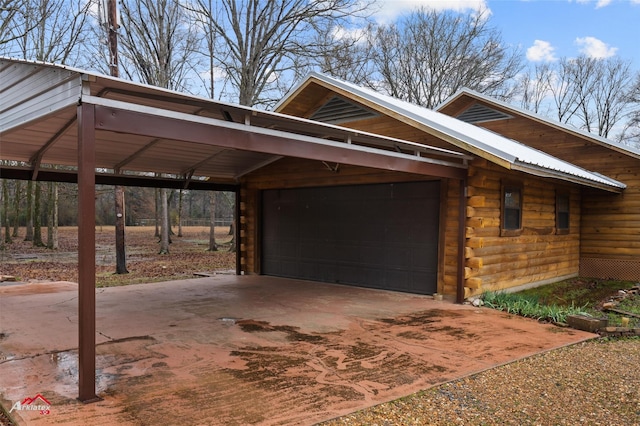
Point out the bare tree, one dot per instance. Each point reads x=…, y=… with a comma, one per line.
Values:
x=164, y=227
x=603, y=87
x=158, y=46
x=5, y=212
x=212, y=222
x=591, y=94
x=37, y=222
x=44, y=30
x=13, y=14
x=347, y=55
x=428, y=55
x=158, y=43
x=261, y=43
x=50, y=30
x=631, y=132
x=52, y=212
x=535, y=87
x=180, y=210
x=29, y=212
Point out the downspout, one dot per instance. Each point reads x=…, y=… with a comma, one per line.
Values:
x=462, y=214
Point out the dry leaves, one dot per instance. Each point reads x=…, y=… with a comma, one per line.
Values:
x=188, y=255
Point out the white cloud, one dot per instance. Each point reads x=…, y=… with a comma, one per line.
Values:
x=594, y=48
x=389, y=10
x=541, y=51
x=342, y=33
x=602, y=3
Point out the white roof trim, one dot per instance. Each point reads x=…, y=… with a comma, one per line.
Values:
x=617, y=146
x=476, y=139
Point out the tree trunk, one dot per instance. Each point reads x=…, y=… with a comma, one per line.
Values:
x=157, y=217
x=212, y=221
x=52, y=217
x=5, y=211
x=29, y=234
x=164, y=236
x=232, y=231
x=121, y=258
x=180, y=214
x=37, y=217
x=16, y=208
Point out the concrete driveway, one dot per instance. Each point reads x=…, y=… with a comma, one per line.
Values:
x=231, y=350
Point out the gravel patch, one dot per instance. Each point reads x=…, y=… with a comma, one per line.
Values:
x=591, y=383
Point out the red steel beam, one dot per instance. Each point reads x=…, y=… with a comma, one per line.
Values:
x=147, y=124
x=86, y=255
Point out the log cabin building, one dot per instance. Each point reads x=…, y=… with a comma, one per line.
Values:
x=342, y=184
x=540, y=201
x=339, y=184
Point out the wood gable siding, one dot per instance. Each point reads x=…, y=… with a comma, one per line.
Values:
x=610, y=223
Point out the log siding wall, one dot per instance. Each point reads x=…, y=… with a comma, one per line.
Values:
x=538, y=253
x=610, y=230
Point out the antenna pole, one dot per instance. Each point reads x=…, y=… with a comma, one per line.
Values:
x=112, y=30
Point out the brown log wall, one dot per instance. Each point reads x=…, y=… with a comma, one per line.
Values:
x=610, y=231
x=495, y=262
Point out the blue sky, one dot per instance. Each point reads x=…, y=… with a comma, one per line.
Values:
x=546, y=30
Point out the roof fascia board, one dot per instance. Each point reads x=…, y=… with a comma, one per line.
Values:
x=616, y=146
x=124, y=117
x=614, y=186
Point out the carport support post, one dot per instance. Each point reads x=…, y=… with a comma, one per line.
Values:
x=86, y=255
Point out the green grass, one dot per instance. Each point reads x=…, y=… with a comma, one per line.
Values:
x=529, y=306
x=553, y=302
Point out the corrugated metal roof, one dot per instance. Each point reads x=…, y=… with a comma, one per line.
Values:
x=38, y=125
x=617, y=146
x=479, y=141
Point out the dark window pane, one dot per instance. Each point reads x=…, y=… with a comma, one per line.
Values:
x=512, y=199
x=511, y=219
x=512, y=206
x=562, y=216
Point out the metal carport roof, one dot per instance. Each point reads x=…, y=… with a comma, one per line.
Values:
x=183, y=137
x=64, y=124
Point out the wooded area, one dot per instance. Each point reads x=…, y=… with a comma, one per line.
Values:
x=34, y=205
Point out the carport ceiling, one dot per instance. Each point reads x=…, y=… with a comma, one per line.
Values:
x=143, y=131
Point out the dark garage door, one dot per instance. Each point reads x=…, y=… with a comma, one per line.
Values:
x=381, y=236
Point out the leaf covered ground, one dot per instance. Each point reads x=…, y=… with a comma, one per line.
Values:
x=187, y=255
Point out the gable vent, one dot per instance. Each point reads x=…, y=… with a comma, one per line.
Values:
x=478, y=113
x=339, y=110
